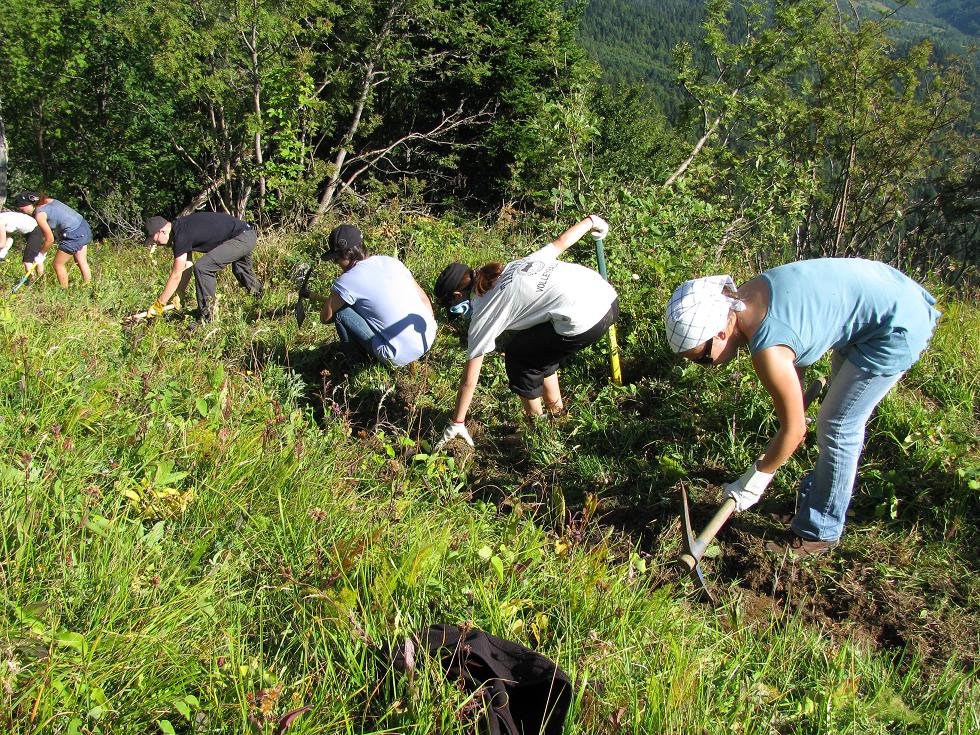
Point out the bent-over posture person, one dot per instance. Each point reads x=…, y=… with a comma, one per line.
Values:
x=221, y=239
x=550, y=310
x=57, y=222
x=21, y=224
x=378, y=307
x=876, y=320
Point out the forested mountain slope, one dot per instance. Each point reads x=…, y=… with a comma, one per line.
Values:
x=633, y=40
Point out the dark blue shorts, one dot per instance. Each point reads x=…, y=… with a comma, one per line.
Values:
x=75, y=240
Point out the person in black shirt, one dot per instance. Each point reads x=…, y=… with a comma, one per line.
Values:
x=223, y=240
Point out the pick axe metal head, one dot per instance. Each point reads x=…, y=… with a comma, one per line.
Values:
x=690, y=559
x=301, y=276
x=694, y=546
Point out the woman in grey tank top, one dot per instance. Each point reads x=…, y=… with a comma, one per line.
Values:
x=58, y=222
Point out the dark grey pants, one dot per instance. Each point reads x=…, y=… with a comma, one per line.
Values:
x=236, y=252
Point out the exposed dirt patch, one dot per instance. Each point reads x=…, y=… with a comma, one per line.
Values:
x=856, y=593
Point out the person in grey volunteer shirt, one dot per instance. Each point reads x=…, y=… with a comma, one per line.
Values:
x=22, y=224
x=221, y=239
x=550, y=309
x=58, y=222
x=378, y=307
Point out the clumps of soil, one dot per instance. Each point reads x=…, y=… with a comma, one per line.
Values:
x=856, y=592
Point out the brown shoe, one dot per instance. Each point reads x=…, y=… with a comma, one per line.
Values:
x=797, y=548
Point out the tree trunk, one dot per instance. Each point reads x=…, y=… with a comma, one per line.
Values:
x=3, y=159
x=694, y=152
x=257, y=109
x=366, y=83
x=842, y=205
x=338, y=162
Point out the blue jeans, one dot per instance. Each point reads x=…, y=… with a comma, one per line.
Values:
x=825, y=493
x=353, y=329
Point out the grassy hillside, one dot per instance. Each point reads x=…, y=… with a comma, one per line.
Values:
x=203, y=532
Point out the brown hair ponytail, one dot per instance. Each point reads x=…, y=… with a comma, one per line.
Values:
x=485, y=277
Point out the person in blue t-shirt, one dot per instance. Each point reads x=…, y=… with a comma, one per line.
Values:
x=876, y=320
x=378, y=307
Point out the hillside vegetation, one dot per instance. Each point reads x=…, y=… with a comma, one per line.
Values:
x=634, y=41
x=210, y=530
x=225, y=529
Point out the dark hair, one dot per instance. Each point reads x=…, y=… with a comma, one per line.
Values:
x=485, y=277
x=454, y=277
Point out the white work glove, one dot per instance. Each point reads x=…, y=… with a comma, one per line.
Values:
x=39, y=260
x=452, y=431
x=6, y=248
x=600, y=228
x=747, y=489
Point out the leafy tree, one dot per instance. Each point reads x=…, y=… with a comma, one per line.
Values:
x=814, y=130
x=418, y=82
x=3, y=158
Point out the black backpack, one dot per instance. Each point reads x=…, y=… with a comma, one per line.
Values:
x=522, y=692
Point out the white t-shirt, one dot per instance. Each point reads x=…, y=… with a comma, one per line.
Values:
x=536, y=289
x=382, y=290
x=17, y=222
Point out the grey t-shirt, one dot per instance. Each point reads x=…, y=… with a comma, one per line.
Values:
x=536, y=289
x=382, y=290
x=62, y=219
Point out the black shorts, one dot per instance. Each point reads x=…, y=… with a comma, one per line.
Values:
x=537, y=352
x=35, y=239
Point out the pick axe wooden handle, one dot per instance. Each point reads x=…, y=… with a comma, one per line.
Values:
x=689, y=559
x=617, y=375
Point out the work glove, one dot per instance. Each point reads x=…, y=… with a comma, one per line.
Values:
x=747, y=489
x=453, y=431
x=600, y=228
x=6, y=248
x=156, y=309
x=39, y=259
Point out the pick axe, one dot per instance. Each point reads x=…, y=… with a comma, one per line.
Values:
x=301, y=277
x=694, y=547
x=25, y=279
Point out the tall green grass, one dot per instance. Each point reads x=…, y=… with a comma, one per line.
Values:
x=198, y=536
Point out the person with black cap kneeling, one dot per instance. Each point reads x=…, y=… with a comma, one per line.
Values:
x=550, y=309
x=378, y=307
x=224, y=240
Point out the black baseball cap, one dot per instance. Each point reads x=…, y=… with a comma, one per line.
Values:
x=152, y=226
x=341, y=238
x=25, y=198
